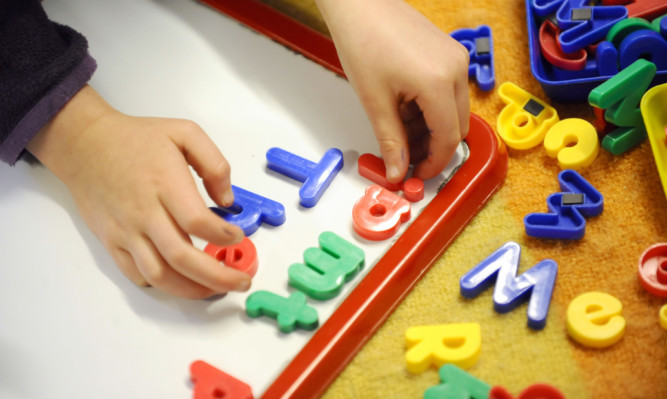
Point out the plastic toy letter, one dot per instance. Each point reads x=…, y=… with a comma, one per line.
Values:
x=372, y=167
x=655, y=119
x=459, y=344
x=620, y=97
x=316, y=177
x=289, y=312
x=479, y=43
x=457, y=384
x=574, y=142
x=535, y=391
x=250, y=210
x=583, y=25
x=566, y=220
x=211, y=383
x=510, y=290
x=379, y=213
x=653, y=269
x=326, y=269
x=241, y=256
x=525, y=120
x=594, y=319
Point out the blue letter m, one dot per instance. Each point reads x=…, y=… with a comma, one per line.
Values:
x=537, y=282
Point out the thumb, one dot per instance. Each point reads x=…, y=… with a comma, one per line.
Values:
x=391, y=136
x=208, y=162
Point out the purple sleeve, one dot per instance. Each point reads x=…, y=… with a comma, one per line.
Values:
x=42, y=66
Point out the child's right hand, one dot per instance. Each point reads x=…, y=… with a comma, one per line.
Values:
x=131, y=181
x=411, y=78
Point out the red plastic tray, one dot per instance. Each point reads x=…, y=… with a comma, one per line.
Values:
x=367, y=307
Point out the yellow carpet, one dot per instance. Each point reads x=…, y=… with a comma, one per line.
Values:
x=513, y=355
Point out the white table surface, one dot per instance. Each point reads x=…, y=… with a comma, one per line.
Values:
x=71, y=325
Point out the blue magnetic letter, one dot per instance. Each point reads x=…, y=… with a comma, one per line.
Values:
x=250, y=210
x=479, y=43
x=582, y=25
x=510, y=290
x=566, y=221
x=315, y=177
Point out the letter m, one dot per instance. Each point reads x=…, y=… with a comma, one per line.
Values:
x=537, y=283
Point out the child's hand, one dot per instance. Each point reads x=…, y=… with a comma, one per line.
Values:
x=130, y=179
x=411, y=78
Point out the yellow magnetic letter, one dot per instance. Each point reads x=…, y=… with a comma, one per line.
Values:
x=524, y=121
x=459, y=344
x=574, y=141
x=594, y=319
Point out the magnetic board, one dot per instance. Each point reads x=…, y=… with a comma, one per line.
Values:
x=75, y=327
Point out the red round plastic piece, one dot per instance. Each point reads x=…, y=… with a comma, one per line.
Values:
x=552, y=51
x=541, y=391
x=535, y=391
x=241, y=256
x=499, y=392
x=661, y=272
x=653, y=269
x=379, y=213
x=413, y=189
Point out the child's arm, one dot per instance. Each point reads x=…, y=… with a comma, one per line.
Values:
x=131, y=182
x=411, y=78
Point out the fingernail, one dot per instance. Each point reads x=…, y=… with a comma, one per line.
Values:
x=244, y=285
x=393, y=173
x=228, y=197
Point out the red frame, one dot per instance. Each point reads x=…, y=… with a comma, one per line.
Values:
x=367, y=307
x=283, y=29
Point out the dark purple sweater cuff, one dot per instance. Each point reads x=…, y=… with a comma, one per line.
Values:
x=12, y=148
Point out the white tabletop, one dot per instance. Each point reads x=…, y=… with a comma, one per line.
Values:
x=71, y=325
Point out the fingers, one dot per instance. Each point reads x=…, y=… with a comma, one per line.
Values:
x=409, y=111
x=145, y=267
x=463, y=106
x=191, y=215
x=177, y=253
x=390, y=134
x=165, y=259
x=183, y=202
x=207, y=160
x=445, y=131
x=160, y=275
x=418, y=138
x=461, y=90
x=126, y=265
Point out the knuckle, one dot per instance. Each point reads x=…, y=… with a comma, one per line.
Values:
x=177, y=256
x=463, y=55
x=389, y=145
x=154, y=276
x=189, y=127
x=196, y=222
x=221, y=171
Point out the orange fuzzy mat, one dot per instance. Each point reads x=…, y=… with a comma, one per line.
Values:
x=606, y=259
